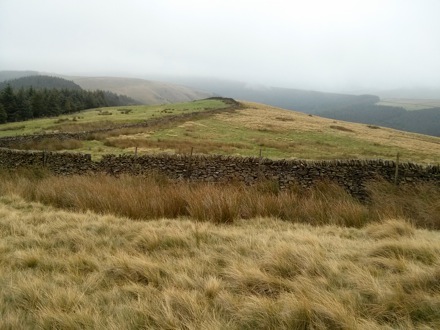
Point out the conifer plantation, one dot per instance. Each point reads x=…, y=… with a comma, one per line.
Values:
x=43, y=96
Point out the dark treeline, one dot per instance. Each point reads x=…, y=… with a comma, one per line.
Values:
x=17, y=104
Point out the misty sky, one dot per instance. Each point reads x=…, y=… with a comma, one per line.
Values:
x=336, y=45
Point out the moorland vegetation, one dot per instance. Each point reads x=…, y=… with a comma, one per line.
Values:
x=145, y=252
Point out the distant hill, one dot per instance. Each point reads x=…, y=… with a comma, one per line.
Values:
x=354, y=108
x=404, y=93
x=41, y=82
x=312, y=102
x=145, y=91
x=425, y=121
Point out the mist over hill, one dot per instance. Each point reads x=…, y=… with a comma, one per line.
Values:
x=10, y=75
x=312, y=102
x=362, y=108
x=355, y=108
x=145, y=91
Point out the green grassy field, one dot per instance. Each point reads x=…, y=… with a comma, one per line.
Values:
x=276, y=132
x=104, y=117
x=411, y=104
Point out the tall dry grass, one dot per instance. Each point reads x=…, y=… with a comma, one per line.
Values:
x=155, y=197
x=64, y=270
x=419, y=203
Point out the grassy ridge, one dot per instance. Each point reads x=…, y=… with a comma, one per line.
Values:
x=62, y=270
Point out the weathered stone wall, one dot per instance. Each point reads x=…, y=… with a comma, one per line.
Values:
x=60, y=163
x=352, y=174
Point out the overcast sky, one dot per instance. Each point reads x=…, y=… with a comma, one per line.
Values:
x=334, y=45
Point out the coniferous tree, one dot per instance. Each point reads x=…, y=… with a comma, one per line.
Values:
x=23, y=106
x=7, y=98
x=38, y=105
x=53, y=103
x=3, y=115
x=28, y=102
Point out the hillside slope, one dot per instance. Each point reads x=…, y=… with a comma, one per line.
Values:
x=243, y=131
x=363, y=108
x=307, y=101
x=424, y=121
x=145, y=91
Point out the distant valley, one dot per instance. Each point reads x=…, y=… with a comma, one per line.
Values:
x=365, y=108
x=369, y=109
x=144, y=91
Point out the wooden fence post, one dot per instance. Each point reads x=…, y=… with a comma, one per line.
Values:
x=259, y=166
x=189, y=166
x=44, y=158
x=396, y=173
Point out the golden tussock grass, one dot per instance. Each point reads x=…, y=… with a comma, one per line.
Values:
x=179, y=145
x=257, y=116
x=65, y=270
x=155, y=196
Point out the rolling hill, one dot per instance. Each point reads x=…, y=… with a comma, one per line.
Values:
x=364, y=108
x=145, y=91
x=100, y=251
x=312, y=102
x=252, y=127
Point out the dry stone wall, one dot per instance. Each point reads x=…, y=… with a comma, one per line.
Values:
x=352, y=174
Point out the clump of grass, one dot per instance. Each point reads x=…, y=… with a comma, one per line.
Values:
x=407, y=250
x=209, y=203
x=341, y=128
x=417, y=203
x=285, y=118
x=392, y=228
